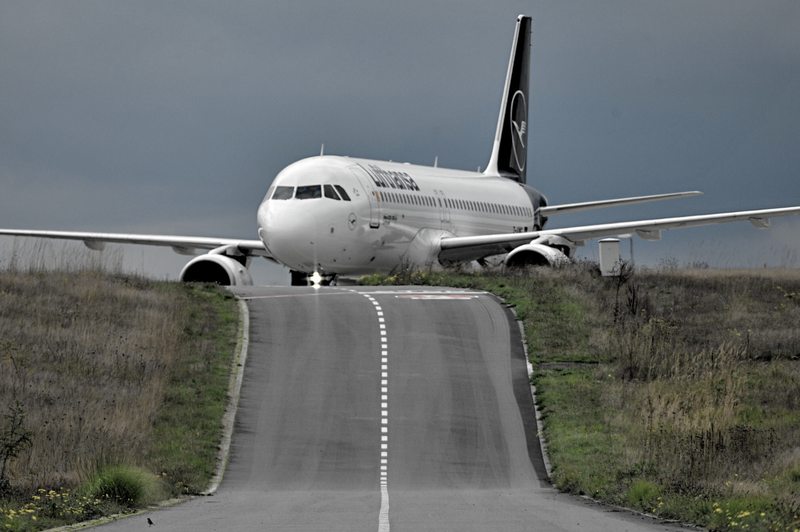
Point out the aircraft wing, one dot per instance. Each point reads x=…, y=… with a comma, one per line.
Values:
x=568, y=208
x=185, y=245
x=475, y=247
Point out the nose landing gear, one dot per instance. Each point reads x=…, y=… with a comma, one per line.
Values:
x=305, y=279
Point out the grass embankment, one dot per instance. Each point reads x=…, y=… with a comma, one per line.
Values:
x=673, y=392
x=124, y=384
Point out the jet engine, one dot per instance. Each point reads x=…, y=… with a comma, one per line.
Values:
x=543, y=251
x=218, y=267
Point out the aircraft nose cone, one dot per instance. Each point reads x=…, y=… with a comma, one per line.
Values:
x=289, y=233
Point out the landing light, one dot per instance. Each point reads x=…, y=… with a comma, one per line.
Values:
x=315, y=279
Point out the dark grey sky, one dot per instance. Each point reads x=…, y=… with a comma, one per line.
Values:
x=173, y=117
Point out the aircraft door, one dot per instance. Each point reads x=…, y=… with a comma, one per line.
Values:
x=372, y=196
x=444, y=209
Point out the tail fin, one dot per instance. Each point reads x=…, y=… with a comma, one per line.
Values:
x=510, y=149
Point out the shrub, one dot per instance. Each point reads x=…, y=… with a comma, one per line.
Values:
x=127, y=485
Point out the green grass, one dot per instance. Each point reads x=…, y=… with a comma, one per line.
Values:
x=188, y=426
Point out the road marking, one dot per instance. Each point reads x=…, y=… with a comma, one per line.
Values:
x=314, y=294
x=413, y=291
x=383, y=513
x=346, y=291
x=436, y=296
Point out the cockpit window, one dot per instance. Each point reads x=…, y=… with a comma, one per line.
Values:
x=342, y=193
x=331, y=193
x=269, y=193
x=283, y=193
x=309, y=192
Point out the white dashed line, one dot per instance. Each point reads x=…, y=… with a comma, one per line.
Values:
x=383, y=514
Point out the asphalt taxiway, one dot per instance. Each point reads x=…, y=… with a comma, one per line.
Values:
x=384, y=408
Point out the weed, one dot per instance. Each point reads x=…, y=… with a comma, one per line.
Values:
x=14, y=438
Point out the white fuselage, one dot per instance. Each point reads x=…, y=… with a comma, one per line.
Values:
x=392, y=214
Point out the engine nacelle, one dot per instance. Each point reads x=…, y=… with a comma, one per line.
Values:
x=548, y=250
x=535, y=255
x=216, y=268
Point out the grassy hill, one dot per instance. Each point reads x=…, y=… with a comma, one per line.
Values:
x=122, y=383
x=674, y=392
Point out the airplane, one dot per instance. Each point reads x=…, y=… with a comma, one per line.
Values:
x=330, y=217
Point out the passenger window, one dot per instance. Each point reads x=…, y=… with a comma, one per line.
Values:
x=283, y=193
x=331, y=193
x=309, y=192
x=342, y=193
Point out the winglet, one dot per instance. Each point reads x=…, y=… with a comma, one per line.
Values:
x=510, y=150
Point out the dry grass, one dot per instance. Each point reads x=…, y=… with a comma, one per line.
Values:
x=43, y=255
x=124, y=383
x=111, y=369
x=87, y=356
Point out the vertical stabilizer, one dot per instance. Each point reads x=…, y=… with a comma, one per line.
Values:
x=510, y=150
